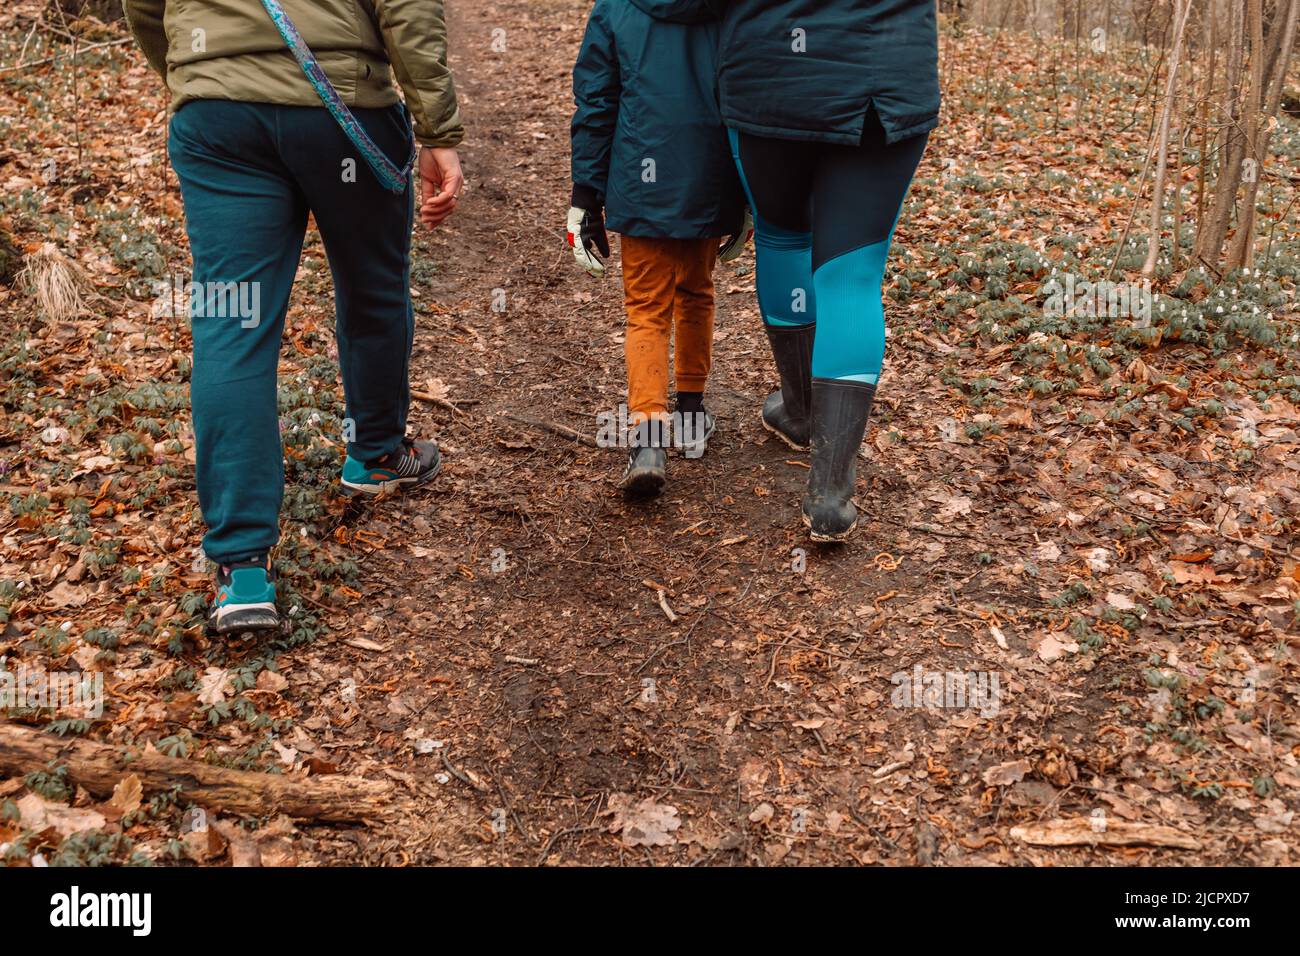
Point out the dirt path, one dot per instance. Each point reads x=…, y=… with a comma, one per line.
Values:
x=530, y=674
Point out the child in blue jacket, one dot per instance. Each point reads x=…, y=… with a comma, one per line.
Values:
x=651, y=161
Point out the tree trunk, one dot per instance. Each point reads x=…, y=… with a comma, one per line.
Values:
x=1182, y=9
x=1231, y=146
x=11, y=259
x=1265, y=100
x=1207, y=94
x=106, y=10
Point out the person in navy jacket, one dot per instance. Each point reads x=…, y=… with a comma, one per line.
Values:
x=828, y=104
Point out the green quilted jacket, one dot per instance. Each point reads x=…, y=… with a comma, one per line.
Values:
x=230, y=50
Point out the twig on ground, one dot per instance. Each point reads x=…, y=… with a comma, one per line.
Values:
x=663, y=606
x=466, y=777
x=564, y=431
x=546, y=850
x=443, y=402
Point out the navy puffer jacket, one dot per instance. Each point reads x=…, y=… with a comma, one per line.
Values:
x=648, y=140
x=811, y=69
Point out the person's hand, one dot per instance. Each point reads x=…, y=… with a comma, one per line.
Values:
x=585, y=232
x=735, y=244
x=440, y=183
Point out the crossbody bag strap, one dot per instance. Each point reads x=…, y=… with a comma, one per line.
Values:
x=392, y=177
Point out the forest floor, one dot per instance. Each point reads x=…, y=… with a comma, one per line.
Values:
x=1089, y=523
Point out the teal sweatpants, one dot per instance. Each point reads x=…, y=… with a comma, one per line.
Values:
x=249, y=174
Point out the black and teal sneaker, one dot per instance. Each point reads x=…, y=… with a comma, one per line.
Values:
x=414, y=463
x=245, y=598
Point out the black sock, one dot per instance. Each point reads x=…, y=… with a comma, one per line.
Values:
x=690, y=403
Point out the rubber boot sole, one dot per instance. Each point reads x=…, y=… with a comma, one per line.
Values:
x=786, y=439
x=643, y=483
x=824, y=538
x=249, y=619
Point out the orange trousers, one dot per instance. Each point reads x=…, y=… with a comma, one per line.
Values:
x=667, y=285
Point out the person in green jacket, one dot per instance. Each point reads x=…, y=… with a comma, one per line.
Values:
x=261, y=135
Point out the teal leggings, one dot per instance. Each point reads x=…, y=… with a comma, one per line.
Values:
x=824, y=216
x=250, y=173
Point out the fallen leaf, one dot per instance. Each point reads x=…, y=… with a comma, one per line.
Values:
x=37, y=814
x=214, y=685
x=1051, y=649
x=365, y=644
x=127, y=794
x=1013, y=771
x=1119, y=601
x=642, y=822
x=64, y=594
x=272, y=681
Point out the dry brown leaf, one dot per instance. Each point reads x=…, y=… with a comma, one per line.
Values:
x=1013, y=771
x=38, y=814
x=127, y=794
x=642, y=822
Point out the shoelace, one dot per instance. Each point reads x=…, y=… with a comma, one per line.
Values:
x=406, y=465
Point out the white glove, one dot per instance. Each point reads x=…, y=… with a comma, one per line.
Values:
x=585, y=233
x=735, y=245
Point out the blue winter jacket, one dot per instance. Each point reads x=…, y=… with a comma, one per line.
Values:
x=648, y=140
x=812, y=69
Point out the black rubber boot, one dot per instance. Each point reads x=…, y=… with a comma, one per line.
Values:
x=839, y=420
x=786, y=413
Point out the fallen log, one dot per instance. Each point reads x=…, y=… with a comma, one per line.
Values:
x=1085, y=831
x=99, y=768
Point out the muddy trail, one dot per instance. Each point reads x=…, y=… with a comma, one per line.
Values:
x=520, y=599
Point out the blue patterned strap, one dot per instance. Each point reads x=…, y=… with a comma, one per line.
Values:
x=388, y=174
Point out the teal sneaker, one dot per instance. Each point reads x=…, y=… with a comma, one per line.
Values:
x=414, y=463
x=245, y=599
